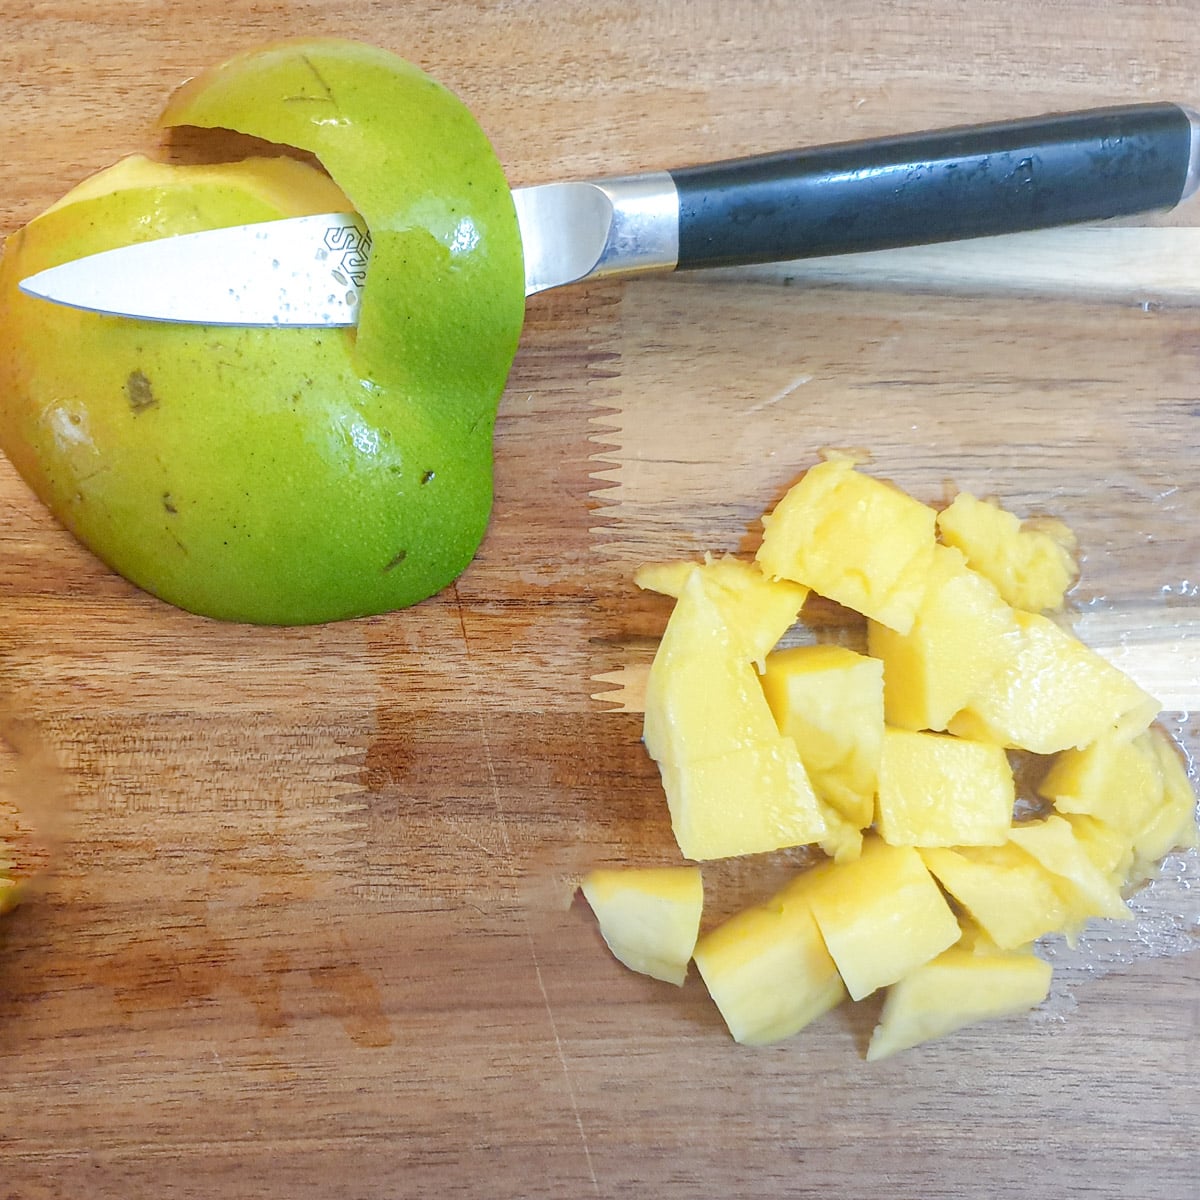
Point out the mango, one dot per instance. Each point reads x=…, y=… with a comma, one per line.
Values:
x=767, y=969
x=1055, y=693
x=936, y=790
x=961, y=987
x=829, y=700
x=648, y=916
x=1137, y=787
x=1086, y=889
x=748, y=801
x=881, y=915
x=282, y=476
x=962, y=636
x=1110, y=852
x=1031, y=564
x=854, y=539
x=757, y=610
x=703, y=697
x=734, y=785
x=896, y=763
x=1006, y=891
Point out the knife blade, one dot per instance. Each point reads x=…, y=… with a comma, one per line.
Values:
x=848, y=197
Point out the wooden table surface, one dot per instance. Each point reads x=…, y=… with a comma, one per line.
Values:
x=312, y=928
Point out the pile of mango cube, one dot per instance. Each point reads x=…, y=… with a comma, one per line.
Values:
x=897, y=763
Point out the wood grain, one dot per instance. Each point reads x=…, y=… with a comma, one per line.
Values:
x=312, y=929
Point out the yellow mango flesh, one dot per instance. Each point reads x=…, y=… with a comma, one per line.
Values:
x=962, y=636
x=958, y=988
x=1174, y=825
x=703, y=698
x=1138, y=787
x=1009, y=894
x=733, y=784
x=853, y=539
x=1032, y=566
x=866, y=732
x=748, y=801
x=936, y=790
x=768, y=970
x=649, y=917
x=1054, y=693
x=1087, y=890
x=881, y=915
x=829, y=701
x=758, y=611
x=1109, y=850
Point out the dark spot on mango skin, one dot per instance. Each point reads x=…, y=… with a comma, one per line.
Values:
x=427, y=477
x=169, y=504
x=139, y=392
x=400, y=557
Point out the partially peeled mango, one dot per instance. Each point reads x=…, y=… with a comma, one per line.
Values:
x=283, y=475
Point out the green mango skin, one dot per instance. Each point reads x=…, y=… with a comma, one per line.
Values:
x=283, y=476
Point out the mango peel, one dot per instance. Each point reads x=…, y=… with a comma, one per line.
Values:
x=281, y=476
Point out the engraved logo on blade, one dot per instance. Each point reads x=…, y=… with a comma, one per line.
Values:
x=349, y=249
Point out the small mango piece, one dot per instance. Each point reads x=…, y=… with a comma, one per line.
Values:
x=649, y=916
x=936, y=790
x=1174, y=826
x=1087, y=891
x=1009, y=894
x=1109, y=850
x=961, y=987
x=962, y=636
x=1054, y=693
x=757, y=610
x=854, y=539
x=1032, y=565
x=767, y=969
x=747, y=801
x=734, y=784
x=1138, y=787
x=703, y=697
x=881, y=915
x=829, y=701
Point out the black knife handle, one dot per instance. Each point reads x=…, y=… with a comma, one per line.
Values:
x=938, y=186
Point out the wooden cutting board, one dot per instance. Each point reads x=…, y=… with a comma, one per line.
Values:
x=312, y=927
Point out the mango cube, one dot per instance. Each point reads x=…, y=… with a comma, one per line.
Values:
x=1138, y=787
x=1032, y=565
x=1174, y=826
x=1055, y=693
x=747, y=801
x=758, y=611
x=1109, y=850
x=829, y=701
x=1087, y=891
x=853, y=539
x=649, y=916
x=960, y=987
x=936, y=790
x=881, y=915
x=768, y=970
x=962, y=636
x=1009, y=894
x=703, y=697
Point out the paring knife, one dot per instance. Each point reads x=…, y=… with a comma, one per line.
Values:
x=937, y=186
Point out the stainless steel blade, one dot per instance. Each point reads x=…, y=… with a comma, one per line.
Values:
x=300, y=271
x=310, y=270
